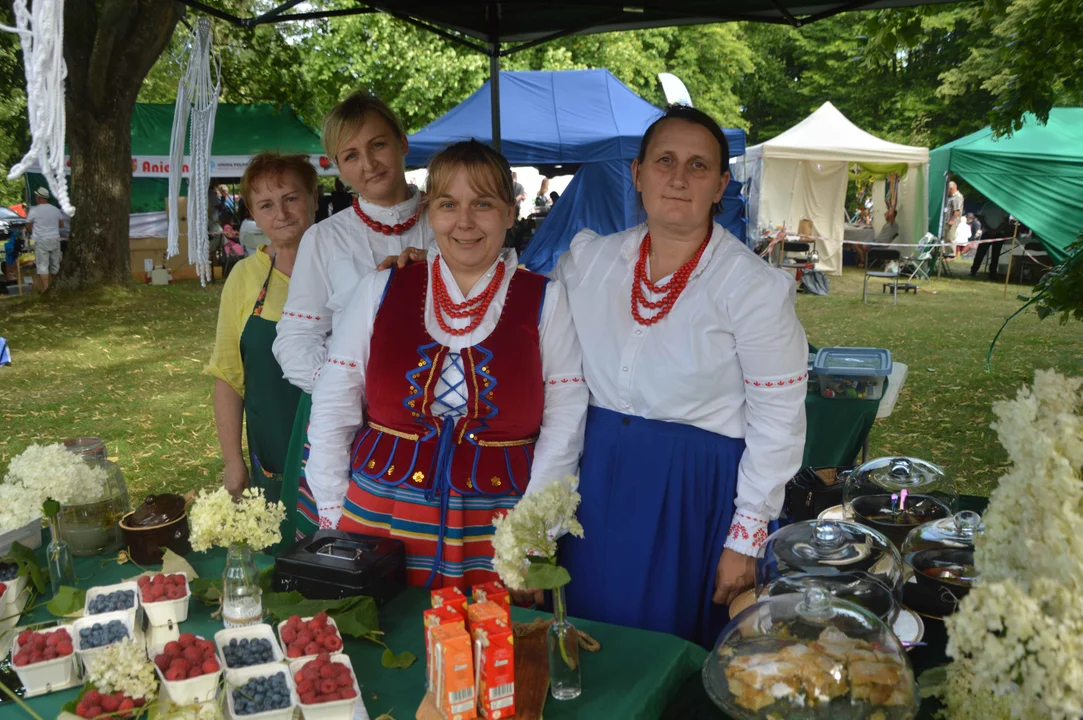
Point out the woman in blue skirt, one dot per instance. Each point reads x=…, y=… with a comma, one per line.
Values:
x=697, y=366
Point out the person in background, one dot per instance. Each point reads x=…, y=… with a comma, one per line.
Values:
x=553, y=197
x=520, y=193
x=368, y=145
x=996, y=224
x=954, y=215
x=886, y=236
x=433, y=467
x=280, y=191
x=697, y=368
x=975, y=232
x=323, y=204
x=341, y=198
x=962, y=236
x=43, y=224
x=542, y=203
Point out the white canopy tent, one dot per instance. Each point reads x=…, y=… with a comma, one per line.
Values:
x=802, y=174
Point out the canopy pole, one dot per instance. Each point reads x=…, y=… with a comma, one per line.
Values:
x=494, y=71
x=1011, y=253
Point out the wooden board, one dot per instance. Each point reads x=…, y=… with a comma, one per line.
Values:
x=531, y=681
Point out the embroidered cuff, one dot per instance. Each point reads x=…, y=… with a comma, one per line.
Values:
x=330, y=513
x=776, y=382
x=566, y=381
x=748, y=532
x=314, y=317
x=343, y=362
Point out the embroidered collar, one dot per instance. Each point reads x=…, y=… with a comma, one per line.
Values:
x=396, y=213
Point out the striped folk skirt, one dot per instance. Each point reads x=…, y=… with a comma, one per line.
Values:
x=466, y=551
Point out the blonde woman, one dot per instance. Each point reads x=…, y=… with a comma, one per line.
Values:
x=368, y=145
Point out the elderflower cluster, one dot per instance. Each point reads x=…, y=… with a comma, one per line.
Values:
x=123, y=667
x=47, y=471
x=1017, y=638
x=532, y=527
x=217, y=520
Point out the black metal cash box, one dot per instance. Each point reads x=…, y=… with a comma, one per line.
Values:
x=332, y=564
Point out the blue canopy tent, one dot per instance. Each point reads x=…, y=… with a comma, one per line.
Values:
x=578, y=118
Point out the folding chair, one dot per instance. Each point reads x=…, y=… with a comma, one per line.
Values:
x=919, y=263
x=793, y=262
x=876, y=255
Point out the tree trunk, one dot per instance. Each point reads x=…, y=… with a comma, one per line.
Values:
x=109, y=47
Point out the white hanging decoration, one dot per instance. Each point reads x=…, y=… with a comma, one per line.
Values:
x=197, y=100
x=41, y=32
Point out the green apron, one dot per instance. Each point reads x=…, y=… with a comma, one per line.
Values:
x=270, y=402
x=302, y=518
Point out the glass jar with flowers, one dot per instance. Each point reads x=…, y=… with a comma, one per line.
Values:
x=525, y=556
x=241, y=526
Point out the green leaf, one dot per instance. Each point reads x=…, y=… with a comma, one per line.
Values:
x=266, y=578
x=50, y=508
x=28, y=564
x=208, y=591
x=546, y=577
x=172, y=563
x=359, y=620
x=933, y=681
x=539, y=559
x=67, y=601
x=401, y=661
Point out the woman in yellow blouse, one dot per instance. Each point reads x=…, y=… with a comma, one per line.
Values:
x=280, y=192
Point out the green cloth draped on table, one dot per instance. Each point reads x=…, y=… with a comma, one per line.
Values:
x=836, y=429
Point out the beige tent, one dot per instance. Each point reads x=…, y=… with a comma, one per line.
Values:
x=802, y=174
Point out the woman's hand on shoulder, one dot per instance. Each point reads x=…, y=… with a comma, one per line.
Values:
x=408, y=256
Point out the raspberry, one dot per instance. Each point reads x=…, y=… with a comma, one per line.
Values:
x=345, y=681
x=195, y=670
x=312, y=648
x=142, y=581
x=174, y=592
x=305, y=686
x=304, y=638
x=328, y=671
x=24, y=636
x=175, y=674
x=311, y=671
x=288, y=634
x=193, y=655
x=173, y=649
x=294, y=651
x=186, y=640
x=299, y=677
x=343, y=670
x=179, y=664
x=323, y=658
x=308, y=698
x=81, y=710
x=92, y=698
x=178, y=579
x=110, y=703
x=64, y=648
x=210, y=666
x=331, y=642
x=320, y=618
x=330, y=697
x=52, y=639
x=36, y=657
x=21, y=658
x=162, y=661
x=93, y=711
x=126, y=704
x=207, y=648
x=347, y=692
x=51, y=653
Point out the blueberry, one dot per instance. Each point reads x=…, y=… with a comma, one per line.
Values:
x=8, y=572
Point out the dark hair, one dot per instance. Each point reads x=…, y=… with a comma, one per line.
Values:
x=696, y=117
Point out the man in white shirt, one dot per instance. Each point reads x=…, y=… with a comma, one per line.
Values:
x=43, y=223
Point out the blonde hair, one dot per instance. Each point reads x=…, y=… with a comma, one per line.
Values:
x=272, y=166
x=346, y=118
x=487, y=171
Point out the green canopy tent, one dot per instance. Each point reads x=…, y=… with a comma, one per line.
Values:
x=1036, y=175
x=240, y=131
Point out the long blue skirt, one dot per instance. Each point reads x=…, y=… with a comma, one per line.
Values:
x=658, y=499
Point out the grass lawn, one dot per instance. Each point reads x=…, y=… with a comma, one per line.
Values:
x=126, y=364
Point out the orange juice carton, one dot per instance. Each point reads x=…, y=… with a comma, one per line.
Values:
x=434, y=618
x=451, y=597
x=453, y=658
x=494, y=653
x=492, y=592
x=487, y=614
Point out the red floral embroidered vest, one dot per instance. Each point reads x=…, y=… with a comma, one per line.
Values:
x=490, y=448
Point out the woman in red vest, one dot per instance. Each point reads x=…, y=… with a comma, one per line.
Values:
x=469, y=374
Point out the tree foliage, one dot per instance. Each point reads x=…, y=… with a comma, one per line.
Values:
x=14, y=130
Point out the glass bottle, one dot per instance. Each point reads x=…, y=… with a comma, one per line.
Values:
x=58, y=555
x=242, y=602
x=564, y=679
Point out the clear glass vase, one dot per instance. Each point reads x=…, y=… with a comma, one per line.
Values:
x=58, y=556
x=94, y=528
x=564, y=680
x=242, y=602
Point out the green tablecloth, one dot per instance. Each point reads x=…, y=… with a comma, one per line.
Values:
x=636, y=674
x=836, y=429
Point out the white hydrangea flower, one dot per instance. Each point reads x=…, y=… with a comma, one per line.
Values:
x=217, y=520
x=47, y=471
x=532, y=528
x=124, y=667
x=1017, y=639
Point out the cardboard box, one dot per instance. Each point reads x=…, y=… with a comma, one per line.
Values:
x=492, y=592
x=432, y=619
x=454, y=660
x=485, y=614
x=449, y=597
x=494, y=653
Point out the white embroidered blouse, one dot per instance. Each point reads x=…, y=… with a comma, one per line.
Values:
x=730, y=358
x=334, y=256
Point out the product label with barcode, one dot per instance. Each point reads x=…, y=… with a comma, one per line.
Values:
x=502, y=691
